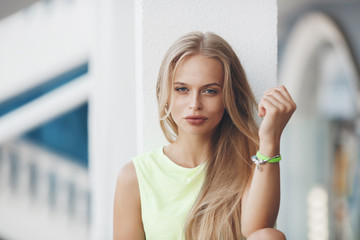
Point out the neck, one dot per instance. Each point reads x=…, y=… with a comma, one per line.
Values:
x=190, y=151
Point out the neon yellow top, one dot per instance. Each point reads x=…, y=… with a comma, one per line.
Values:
x=167, y=193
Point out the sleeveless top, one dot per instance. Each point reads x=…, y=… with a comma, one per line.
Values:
x=167, y=193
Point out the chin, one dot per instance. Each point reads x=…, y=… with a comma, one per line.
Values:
x=201, y=132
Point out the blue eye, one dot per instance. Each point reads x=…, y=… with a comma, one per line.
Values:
x=181, y=89
x=210, y=91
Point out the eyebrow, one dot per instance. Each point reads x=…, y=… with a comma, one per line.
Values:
x=207, y=85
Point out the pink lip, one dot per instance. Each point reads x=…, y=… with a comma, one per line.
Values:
x=195, y=119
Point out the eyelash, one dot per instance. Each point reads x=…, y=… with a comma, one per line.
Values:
x=181, y=89
x=213, y=91
x=208, y=91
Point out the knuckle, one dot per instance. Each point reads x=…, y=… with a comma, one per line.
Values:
x=282, y=108
x=275, y=110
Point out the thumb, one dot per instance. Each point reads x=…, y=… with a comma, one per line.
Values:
x=261, y=112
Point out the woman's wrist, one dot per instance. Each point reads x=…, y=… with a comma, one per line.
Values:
x=269, y=149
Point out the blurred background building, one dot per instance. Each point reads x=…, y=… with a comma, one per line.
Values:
x=54, y=184
x=56, y=122
x=44, y=89
x=319, y=53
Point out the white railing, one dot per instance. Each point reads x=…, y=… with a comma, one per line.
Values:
x=45, y=195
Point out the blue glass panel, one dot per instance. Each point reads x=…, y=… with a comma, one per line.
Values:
x=38, y=91
x=66, y=135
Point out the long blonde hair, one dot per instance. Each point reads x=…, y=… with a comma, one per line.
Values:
x=216, y=214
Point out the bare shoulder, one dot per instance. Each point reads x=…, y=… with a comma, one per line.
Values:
x=127, y=185
x=127, y=207
x=127, y=175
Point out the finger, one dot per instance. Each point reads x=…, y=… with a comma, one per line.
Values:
x=266, y=105
x=269, y=106
x=283, y=95
x=281, y=100
x=269, y=90
x=261, y=110
x=277, y=102
x=286, y=93
x=273, y=88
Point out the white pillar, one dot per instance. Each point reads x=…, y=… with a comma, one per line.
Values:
x=112, y=108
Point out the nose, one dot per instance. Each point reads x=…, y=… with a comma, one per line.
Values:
x=195, y=102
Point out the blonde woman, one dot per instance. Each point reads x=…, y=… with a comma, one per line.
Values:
x=206, y=184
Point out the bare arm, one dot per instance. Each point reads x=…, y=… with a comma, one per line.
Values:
x=261, y=199
x=127, y=210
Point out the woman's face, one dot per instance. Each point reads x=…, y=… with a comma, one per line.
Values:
x=197, y=102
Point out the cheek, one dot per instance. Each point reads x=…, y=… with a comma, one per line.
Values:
x=177, y=108
x=217, y=107
x=220, y=113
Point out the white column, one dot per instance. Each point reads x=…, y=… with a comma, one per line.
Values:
x=112, y=106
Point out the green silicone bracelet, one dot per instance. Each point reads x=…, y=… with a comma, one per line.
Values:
x=274, y=159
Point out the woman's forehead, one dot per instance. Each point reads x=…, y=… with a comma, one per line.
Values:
x=199, y=69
